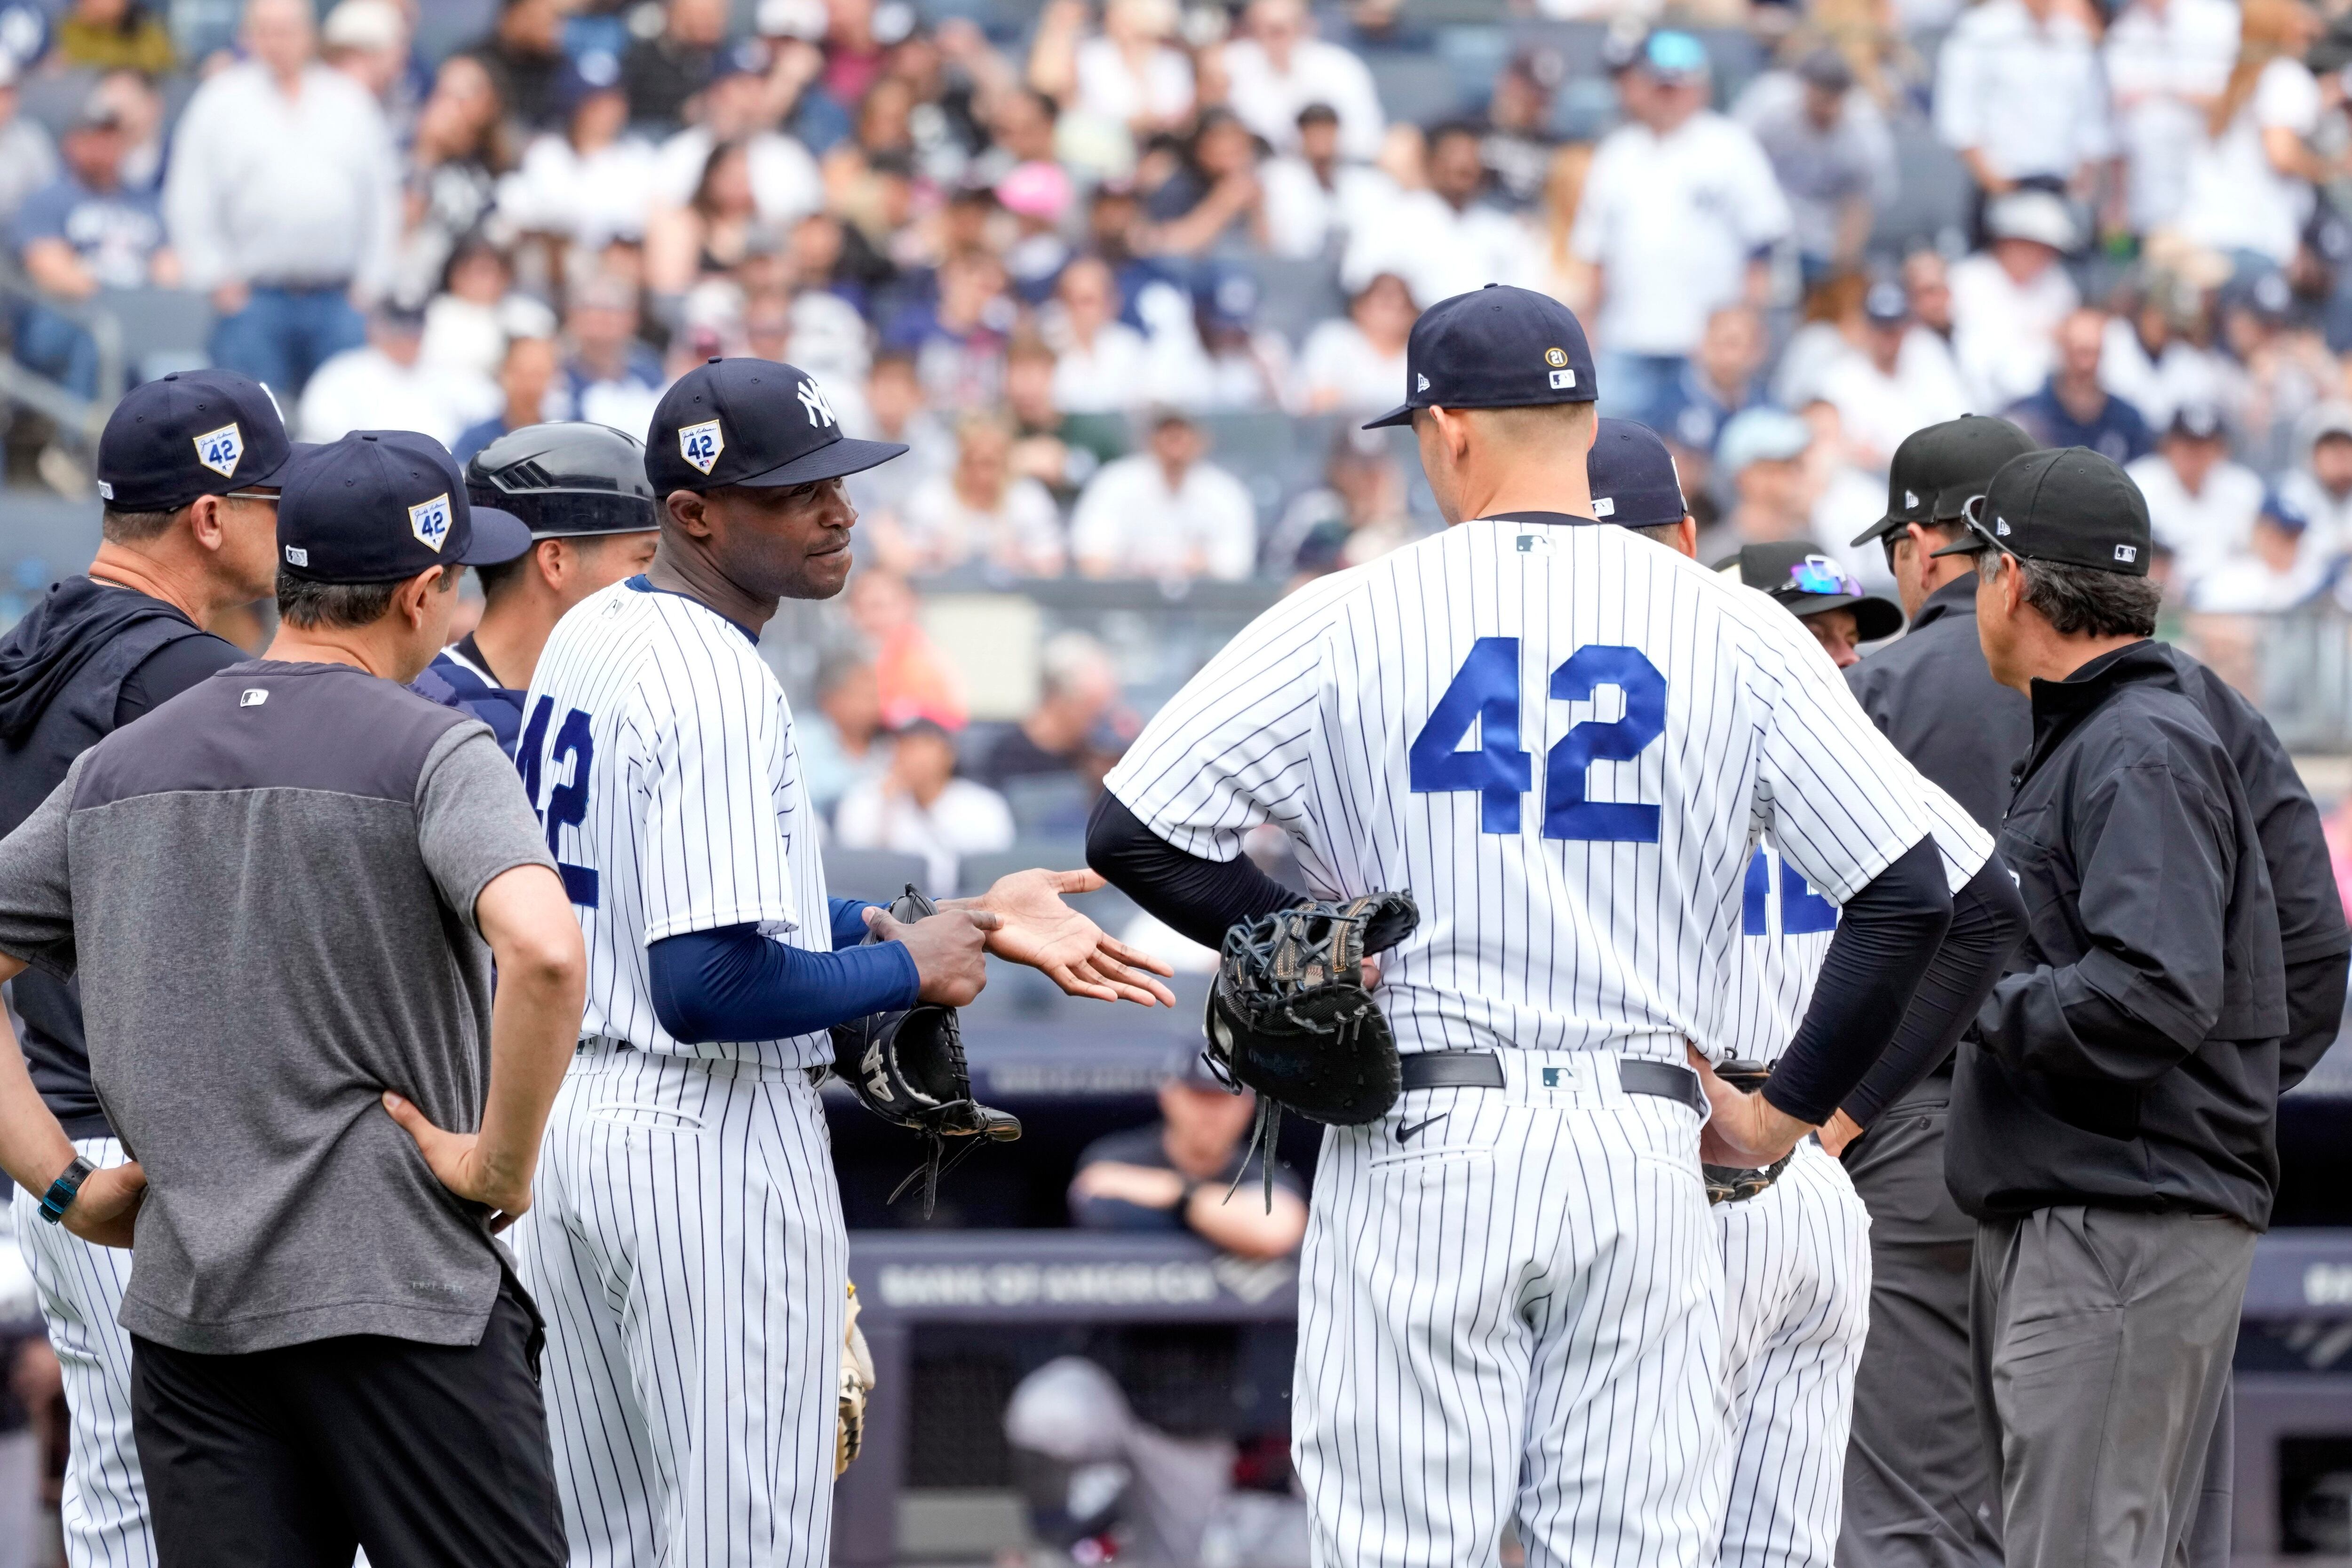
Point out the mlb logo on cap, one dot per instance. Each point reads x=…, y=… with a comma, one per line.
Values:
x=220, y=449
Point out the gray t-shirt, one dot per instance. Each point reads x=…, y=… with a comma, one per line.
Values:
x=267, y=887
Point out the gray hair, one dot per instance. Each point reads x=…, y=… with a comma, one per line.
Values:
x=2086, y=601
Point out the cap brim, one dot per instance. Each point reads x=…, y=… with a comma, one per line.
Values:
x=1966, y=544
x=498, y=537
x=846, y=456
x=1403, y=415
x=1874, y=617
x=295, y=452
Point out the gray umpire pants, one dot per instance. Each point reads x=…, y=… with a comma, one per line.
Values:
x=1919, y=1490
x=2101, y=1342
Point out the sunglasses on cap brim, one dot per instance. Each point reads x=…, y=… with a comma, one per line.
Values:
x=1818, y=576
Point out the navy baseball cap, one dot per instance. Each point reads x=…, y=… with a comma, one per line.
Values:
x=198, y=433
x=751, y=422
x=381, y=505
x=1634, y=483
x=1496, y=347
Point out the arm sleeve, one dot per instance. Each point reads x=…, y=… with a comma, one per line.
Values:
x=1988, y=922
x=2154, y=862
x=1197, y=897
x=1887, y=935
x=35, y=885
x=732, y=984
x=170, y=670
x=848, y=925
x=473, y=820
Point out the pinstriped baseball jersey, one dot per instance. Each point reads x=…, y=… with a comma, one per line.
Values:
x=1564, y=739
x=657, y=749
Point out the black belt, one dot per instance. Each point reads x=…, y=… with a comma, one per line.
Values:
x=1483, y=1070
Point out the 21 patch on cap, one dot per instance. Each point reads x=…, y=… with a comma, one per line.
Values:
x=220, y=450
x=700, y=445
x=429, y=521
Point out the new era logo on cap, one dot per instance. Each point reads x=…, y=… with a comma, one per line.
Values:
x=296, y=556
x=1421, y=384
x=1605, y=506
x=701, y=444
x=1910, y=498
x=220, y=449
x=2001, y=525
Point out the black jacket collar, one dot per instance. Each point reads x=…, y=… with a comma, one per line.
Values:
x=1956, y=597
x=2061, y=706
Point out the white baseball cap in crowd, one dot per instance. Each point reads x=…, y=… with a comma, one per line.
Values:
x=2038, y=215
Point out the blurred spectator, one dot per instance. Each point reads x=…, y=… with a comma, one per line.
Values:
x=2320, y=486
x=282, y=201
x=1165, y=513
x=1313, y=198
x=739, y=105
x=1039, y=197
x=80, y=233
x=113, y=34
x=1830, y=324
x=459, y=150
x=1445, y=240
x=918, y=807
x=1173, y=1174
x=140, y=108
x=896, y=410
x=2075, y=407
x=1357, y=515
x=842, y=745
x=980, y=511
x=712, y=232
x=2249, y=189
x=660, y=73
x=1128, y=75
x=2201, y=503
x=367, y=40
x=2146, y=359
x=1243, y=364
x=29, y=161
x=1077, y=691
x=1723, y=378
x=1830, y=149
x=527, y=382
x=2166, y=62
x=1560, y=271
x=1059, y=450
x=1519, y=141
x=1845, y=496
x=468, y=324
x=1357, y=361
x=2274, y=571
x=610, y=377
x=1214, y=200
x=524, y=56
x=1900, y=379
x=1103, y=363
x=2019, y=95
x=385, y=385
x=958, y=340
x=1760, y=462
x=1276, y=68
x=915, y=679
x=2008, y=301
x=1928, y=278
x=592, y=181
x=1677, y=214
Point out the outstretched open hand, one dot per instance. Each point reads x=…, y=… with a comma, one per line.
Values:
x=1042, y=932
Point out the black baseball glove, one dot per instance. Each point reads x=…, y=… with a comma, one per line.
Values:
x=1290, y=1016
x=907, y=1068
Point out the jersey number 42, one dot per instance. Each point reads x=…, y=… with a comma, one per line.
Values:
x=1486, y=693
x=567, y=801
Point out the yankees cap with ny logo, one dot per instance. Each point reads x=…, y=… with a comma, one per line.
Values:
x=751, y=422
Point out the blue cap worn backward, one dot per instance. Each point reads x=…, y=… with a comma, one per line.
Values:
x=199, y=432
x=1634, y=483
x=751, y=422
x=381, y=505
x=1496, y=347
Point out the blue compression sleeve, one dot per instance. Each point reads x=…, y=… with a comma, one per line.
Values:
x=849, y=921
x=732, y=984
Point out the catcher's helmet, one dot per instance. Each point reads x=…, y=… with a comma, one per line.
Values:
x=566, y=479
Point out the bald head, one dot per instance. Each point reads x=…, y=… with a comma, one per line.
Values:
x=281, y=34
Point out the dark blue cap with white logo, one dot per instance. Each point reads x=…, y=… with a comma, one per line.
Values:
x=199, y=432
x=1499, y=347
x=751, y=422
x=382, y=505
x=1634, y=484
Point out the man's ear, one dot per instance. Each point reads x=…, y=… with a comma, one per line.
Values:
x=414, y=592
x=204, y=522
x=687, y=510
x=554, y=560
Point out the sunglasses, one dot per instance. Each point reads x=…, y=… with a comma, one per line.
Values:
x=1972, y=513
x=1817, y=574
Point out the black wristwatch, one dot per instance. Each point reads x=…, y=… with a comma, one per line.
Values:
x=64, y=1190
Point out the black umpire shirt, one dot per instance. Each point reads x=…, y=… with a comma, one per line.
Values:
x=1930, y=693
x=2131, y=1061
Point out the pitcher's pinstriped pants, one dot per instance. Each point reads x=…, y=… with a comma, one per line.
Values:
x=104, y=1510
x=1515, y=1312
x=1796, y=1265
x=686, y=1248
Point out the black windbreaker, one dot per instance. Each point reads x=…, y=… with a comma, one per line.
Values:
x=2131, y=1059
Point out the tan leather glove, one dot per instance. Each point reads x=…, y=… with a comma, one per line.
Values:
x=857, y=1383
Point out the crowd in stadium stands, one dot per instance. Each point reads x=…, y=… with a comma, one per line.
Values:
x=1067, y=256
